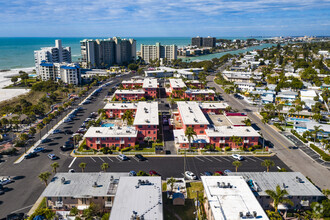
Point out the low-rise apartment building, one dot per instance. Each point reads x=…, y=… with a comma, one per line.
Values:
x=146, y=121
x=79, y=190
x=200, y=94
x=214, y=107
x=287, y=97
x=245, y=86
x=117, y=110
x=229, y=197
x=129, y=94
x=150, y=86
x=100, y=137
x=132, y=84
x=300, y=190
x=138, y=198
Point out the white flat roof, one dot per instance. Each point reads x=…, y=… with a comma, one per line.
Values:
x=227, y=202
x=130, y=91
x=132, y=81
x=177, y=83
x=180, y=138
x=111, y=132
x=150, y=83
x=146, y=114
x=295, y=183
x=192, y=114
x=307, y=93
x=229, y=131
x=200, y=91
x=138, y=196
x=213, y=105
x=81, y=185
x=119, y=105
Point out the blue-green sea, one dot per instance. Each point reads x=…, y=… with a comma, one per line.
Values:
x=17, y=52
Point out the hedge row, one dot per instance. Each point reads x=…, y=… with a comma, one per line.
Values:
x=299, y=136
x=324, y=155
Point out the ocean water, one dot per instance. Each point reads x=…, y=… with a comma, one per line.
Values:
x=17, y=52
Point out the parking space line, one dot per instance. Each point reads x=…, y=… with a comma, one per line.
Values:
x=199, y=159
x=101, y=159
x=135, y=159
x=258, y=158
x=226, y=159
x=72, y=162
x=118, y=159
x=250, y=158
x=208, y=159
x=217, y=159
x=93, y=159
x=110, y=159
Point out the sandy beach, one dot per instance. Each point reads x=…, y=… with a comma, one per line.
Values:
x=5, y=80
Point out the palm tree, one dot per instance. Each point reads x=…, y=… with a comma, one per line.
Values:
x=278, y=197
x=82, y=165
x=128, y=116
x=44, y=177
x=55, y=166
x=190, y=133
x=237, y=164
x=316, y=131
x=237, y=140
x=267, y=163
x=228, y=108
x=104, y=166
x=247, y=122
x=171, y=182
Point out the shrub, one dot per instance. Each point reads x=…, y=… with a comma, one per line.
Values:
x=324, y=155
x=9, y=151
x=298, y=136
x=117, y=148
x=106, y=150
x=227, y=148
x=251, y=149
x=126, y=149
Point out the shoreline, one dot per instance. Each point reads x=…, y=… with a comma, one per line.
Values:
x=5, y=80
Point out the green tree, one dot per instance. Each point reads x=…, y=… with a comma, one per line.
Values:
x=317, y=129
x=190, y=133
x=133, y=66
x=82, y=165
x=278, y=197
x=267, y=163
x=55, y=165
x=32, y=131
x=14, y=79
x=237, y=164
x=171, y=182
x=74, y=211
x=44, y=177
x=104, y=166
x=247, y=122
x=128, y=116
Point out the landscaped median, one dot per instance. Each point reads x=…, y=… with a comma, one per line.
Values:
x=225, y=153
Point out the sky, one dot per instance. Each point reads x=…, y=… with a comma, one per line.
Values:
x=164, y=18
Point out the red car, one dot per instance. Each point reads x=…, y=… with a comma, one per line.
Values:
x=218, y=172
x=153, y=173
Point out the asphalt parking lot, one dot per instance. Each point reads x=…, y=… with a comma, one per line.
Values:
x=171, y=166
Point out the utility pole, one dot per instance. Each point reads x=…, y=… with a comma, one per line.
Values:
x=184, y=164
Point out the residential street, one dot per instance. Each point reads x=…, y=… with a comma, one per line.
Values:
x=295, y=159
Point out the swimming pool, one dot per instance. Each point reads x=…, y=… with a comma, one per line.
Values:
x=108, y=125
x=33, y=75
x=299, y=119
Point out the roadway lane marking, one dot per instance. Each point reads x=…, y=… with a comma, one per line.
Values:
x=23, y=208
x=93, y=159
x=101, y=159
x=110, y=159
x=217, y=159
x=199, y=159
x=72, y=162
x=208, y=159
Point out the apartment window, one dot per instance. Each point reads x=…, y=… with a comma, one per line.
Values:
x=90, y=139
x=148, y=126
x=140, y=126
x=117, y=138
x=154, y=132
x=91, y=145
x=202, y=126
x=201, y=132
x=95, y=197
x=148, y=132
x=129, y=138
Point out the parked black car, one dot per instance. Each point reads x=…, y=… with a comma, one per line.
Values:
x=67, y=147
x=68, y=132
x=30, y=155
x=140, y=157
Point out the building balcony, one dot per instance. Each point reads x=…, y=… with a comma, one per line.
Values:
x=222, y=141
x=58, y=204
x=246, y=141
x=98, y=142
x=304, y=203
x=122, y=142
x=108, y=204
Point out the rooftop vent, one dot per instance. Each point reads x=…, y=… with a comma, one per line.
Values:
x=62, y=180
x=97, y=131
x=247, y=130
x=95, y=184
x=147, y=120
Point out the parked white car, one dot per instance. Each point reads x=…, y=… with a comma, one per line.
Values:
x=122, y=157
x=5, y=180
x=190, y=175
x=237, y=157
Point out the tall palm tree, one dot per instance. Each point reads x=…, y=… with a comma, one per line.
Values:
x=317, y=129
x=267, y=163
x=278, y=197
x=190, y=133
x=247, y=122
x=171, y=182
x=104, y=166
x=237, y=164
x=55, y=166
x=44, y=177
x=128, y=116
x=82, y=165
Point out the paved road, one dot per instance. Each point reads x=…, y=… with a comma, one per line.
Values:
x=22, y=194
x=171, y=166
x=296, y=160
